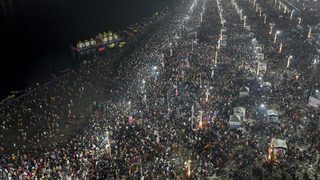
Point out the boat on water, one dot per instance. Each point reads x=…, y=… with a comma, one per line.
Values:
x=100, y=42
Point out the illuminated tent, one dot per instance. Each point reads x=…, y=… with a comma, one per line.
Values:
x=235, y=120
x=250, y=77
x=244, y=91
x=240, y=111
x=279, y=147
x=272, y=115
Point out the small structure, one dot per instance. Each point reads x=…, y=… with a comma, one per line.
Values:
x=80, y=45
x=260, y=56
x=266, y=86
x=235, y=120
x=263, y=67
x=240, y=111
x=250, y=77
x=272, y=115
x=244, y=91
x=92, y=42
x=279, y=147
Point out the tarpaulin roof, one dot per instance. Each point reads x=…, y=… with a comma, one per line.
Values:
x=279, y=143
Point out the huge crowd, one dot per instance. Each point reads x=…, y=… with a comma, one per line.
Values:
x=159, y=107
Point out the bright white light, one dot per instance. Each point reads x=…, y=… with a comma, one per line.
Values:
x=278, y=32
x=155, y=68
x=317, y=90
x=262, y=105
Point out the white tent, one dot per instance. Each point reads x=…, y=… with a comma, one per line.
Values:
x=266, y=86
x=260, y=56
x=244, y=91
x=279, y=147
x=263, y=67
x=240, y=111
x=272, y=115
x=250, y=77
x=235, y=120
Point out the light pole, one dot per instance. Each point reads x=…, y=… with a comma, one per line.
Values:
x=275, y=2
x=244, y=21
x=309, y=34
x=285, y=9
x=275, y=37
x=240, y=14
x=257, y=7
x=279, y=4
x=288, y=63
x=200, y=122
x=299, y=21
x=291, y=14
x=260, y=13
x=265, y=19
x=216, y=59
x=192, y=116
x=280, y=49
x=270, y=32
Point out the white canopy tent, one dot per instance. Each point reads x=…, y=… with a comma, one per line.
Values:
x=244, y=91
x=272, y=115
x=240, y=111
x=235, y=120
x=279, y=147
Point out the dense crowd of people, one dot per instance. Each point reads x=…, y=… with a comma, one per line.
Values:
x=159, y=107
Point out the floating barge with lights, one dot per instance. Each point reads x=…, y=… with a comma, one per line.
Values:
x=100, y=42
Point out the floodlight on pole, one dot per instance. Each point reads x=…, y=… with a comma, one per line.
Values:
x=288, y=63
x=285, y=9
x=260, y=12
x=291, y=14
x=270, y=32
x=309, y=34
x=275, y=37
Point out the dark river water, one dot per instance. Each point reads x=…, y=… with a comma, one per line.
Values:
x=35, y=35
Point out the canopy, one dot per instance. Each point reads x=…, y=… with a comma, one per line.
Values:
x=279, y=143
x=272, y=113
x=235, y=118
x=239, y=109
x=268, y=84
x=244, y=89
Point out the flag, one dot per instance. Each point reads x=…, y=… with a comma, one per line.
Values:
x=177, y=92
